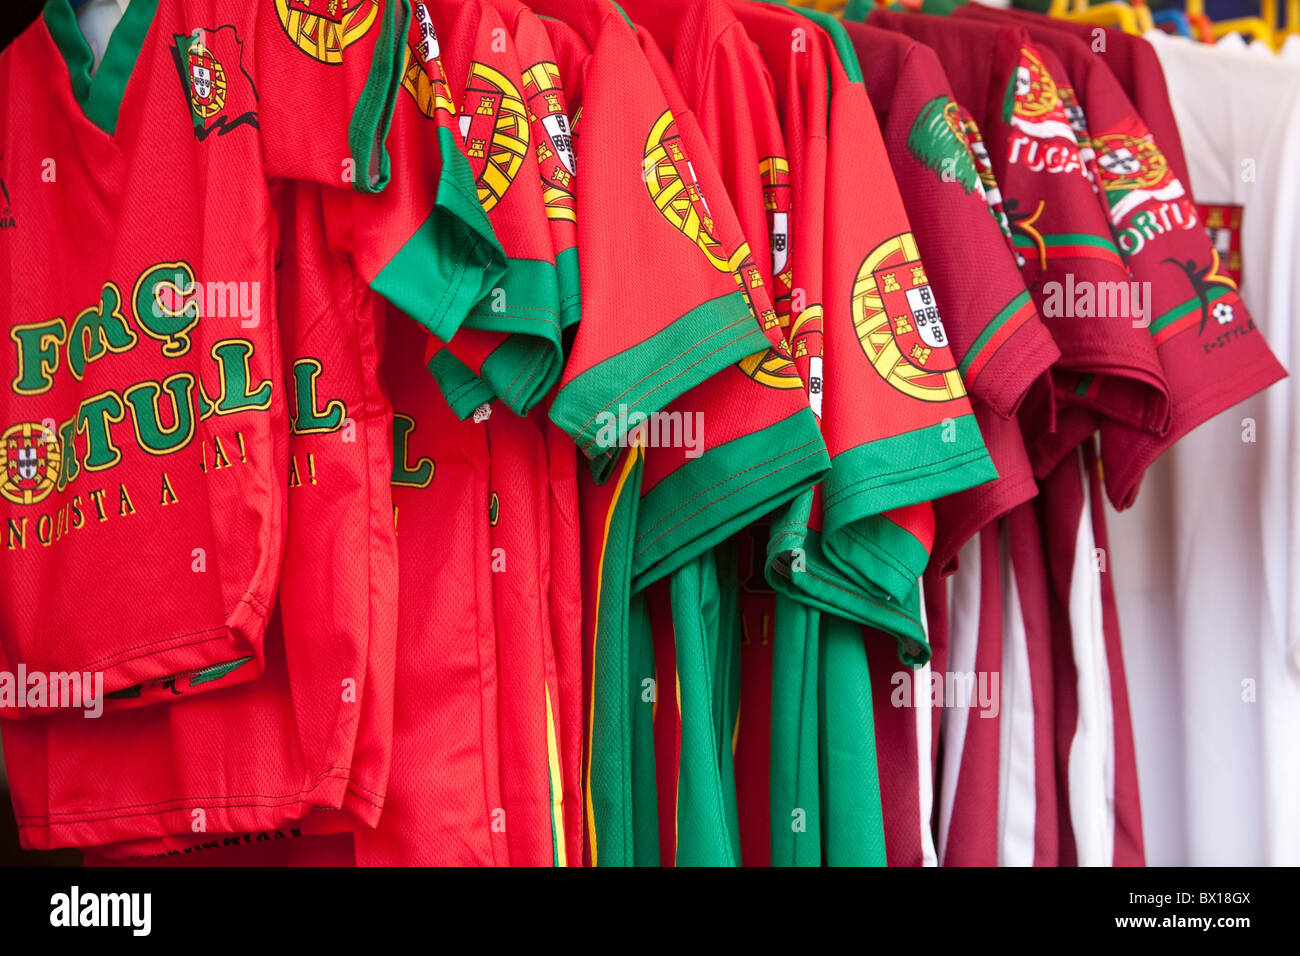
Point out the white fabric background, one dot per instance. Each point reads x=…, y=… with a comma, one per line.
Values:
x=1208, y=561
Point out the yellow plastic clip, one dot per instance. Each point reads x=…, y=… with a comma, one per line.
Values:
x=1262, y=27
x=1256, y=27
x=1109, y=14
x=1292, y=27
x=1246, y=26
x=1142, y=13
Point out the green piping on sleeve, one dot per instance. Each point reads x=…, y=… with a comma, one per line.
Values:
x=372, y=117
x=595, y=405
x=903, y=470
x=452, y=260
x=709, y=498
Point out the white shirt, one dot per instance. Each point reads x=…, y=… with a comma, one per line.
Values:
x=1209, y=557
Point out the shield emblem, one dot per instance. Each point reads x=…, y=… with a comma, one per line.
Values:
x=219, y=102
x=802, y=334
x=670, y=180
x=775, y=367
x=914, y=317
x=428, y=48
x=1035, y=91
x=27, y=467
x=898, y=323
x=557, y=128
x=422, y=73
x=1120, y=162
x=201, y=76
x=323, y=29
x=29, y=463
x=1135, y=160
x=494, y=124
x=1023, y=82
x=555, y=149
x=207, y=79
x=1074, y=114
x=780, y=241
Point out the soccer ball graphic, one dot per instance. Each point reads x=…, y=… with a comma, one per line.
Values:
x=1222, y=313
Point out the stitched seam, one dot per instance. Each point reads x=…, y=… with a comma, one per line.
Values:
x=867, y=485
x=729, y=494
x=142, y=809
x=668, y=364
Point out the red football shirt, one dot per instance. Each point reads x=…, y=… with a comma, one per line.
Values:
x=566, y=629
x=639, y=203
x=446, y=800
x=324, y=698
x=699, y=487
x=636, y=352
x=567, y=566
x=511, y=346
x=997, y=336
x=885, y=350
x=1159, y=230
x=1108, y=368
x=532, y=780
x=769, y=445
x=764, y=738
x=546, y=91
x=1000, y=342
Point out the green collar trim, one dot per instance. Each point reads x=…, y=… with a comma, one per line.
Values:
x=839, y=40
x=623, y=15
x=100, y=95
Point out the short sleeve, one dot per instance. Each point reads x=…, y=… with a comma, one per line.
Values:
x=327, y=73
x=896, y=414
x=1211, y=351
x=424, y=242
x=997, y=337
x=662, y=309
x=763, y=446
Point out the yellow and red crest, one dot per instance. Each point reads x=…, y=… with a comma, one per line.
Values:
x=555, y=154
x=670, y=179
x=1036, y=95
x=323, y=29
x=1131, y=162
x=207, y=79
x=29, y=463
x=494, y=125
x=422, y=73
x=776, y=368
x=898, y=324
x=774, y=172
x=676, y=192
